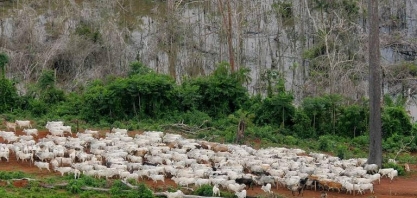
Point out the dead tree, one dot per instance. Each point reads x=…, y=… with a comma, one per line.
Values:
x=240, y=132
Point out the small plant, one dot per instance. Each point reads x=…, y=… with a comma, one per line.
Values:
x=290, y=140
x=74, y=186
x=87, y=194
x=117, y=187
x=227, y=194
x=12, y=175
x=341, y=151
x=143, y=191
x=407, y=158
x=204, y=190
x=90, y=181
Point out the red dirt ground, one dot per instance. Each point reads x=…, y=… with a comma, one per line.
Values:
x=405, y=186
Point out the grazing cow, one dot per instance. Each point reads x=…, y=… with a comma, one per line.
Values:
x=23, y=123
x=296, y=187
x=10, y=125
x=247, y=181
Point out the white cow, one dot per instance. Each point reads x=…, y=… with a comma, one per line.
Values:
x=23, y=123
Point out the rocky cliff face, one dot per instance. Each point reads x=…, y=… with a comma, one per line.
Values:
x=316, y=46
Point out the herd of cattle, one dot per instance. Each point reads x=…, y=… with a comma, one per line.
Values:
x=188, y=162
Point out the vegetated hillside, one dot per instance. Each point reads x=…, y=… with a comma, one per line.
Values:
x=306, y=82
x=316, y=46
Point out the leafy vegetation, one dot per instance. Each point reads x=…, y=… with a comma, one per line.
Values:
x=213, y=106
x=74, y=188
x=204, y=190
x=6, y=175
x=395, y=166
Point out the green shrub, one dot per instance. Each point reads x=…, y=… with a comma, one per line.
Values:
x=361, y=141
x=34, y=186
x=395, y=120
x=93, y=182
x=227, y=194
x=196, y=118
x=342, y=151
x=407, y=158
x=8, y=95
x=397, y=167
x=12, y=175
x=302, y=125
x=38, y=108
x=117, y=188
x=143, y=191
x=204, y=190
x=87, y=194
x=290, y=140
x=262, y=132
x=325, y=143
x=394, y=142
x=74, y=186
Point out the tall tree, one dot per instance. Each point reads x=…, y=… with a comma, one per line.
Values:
x=3, y=61
x=227, y=24
x=375, y=134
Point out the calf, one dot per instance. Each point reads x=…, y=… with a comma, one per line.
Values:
x=216, y=191
x=267, y=188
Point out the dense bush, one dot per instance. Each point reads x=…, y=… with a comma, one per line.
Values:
x=395, y=120
x=74, y=186
x=143, y=192
x=352, y=121
x=326, y=143
x=219, y=94
x=302, y=125
x=147, y=100
x=395, y=142
x=276, y=110
x=204, y=190
x=8, y=96
x=342, y=151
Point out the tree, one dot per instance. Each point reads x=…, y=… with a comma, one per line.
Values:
x=375, y=134
x=3, y=61
x=227, y=24
x=8, y=92
x=334, y=57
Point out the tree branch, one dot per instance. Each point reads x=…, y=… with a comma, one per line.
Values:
x=403, y=147
x=186, y=128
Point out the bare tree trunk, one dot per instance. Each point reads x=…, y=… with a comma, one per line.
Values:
x=227, y=25
x=171, y=40
x=229, y=38
x=240, y=131
x=375, y=133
